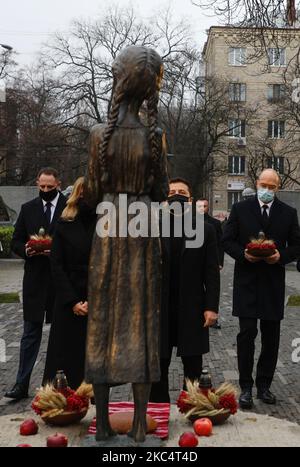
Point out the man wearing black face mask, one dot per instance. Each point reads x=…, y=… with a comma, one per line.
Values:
x=190, y=295
x=38, y=292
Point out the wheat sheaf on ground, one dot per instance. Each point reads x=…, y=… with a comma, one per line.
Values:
x=206, y=405
x=52, y=402
x=85, y=390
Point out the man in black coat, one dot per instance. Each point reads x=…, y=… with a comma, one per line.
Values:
x=259, y=284
x=202, y=205
x=190, y=297
x=38, y=292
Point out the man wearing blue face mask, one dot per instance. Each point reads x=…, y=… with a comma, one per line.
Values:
x=259, y=283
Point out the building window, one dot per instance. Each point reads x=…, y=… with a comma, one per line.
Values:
x=237, y=92
x=236, y=165
x=276, y=57
x=237, y=56
x=276, y=163
x=237, y=128
x=276, y=129
x=233, y=197
x=276, y=92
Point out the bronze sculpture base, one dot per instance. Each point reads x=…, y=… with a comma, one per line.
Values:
x=139, y=427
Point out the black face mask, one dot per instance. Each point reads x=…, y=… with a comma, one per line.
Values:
x=48, y=195
x=178, y=199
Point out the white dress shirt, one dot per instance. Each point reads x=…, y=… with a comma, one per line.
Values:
x=53, y=205
x=265, y=204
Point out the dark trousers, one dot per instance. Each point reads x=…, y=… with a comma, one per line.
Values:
x=192, y=369
x=30, y=345
x=266, y=365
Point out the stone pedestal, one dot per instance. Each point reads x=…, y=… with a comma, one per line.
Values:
x=120, y=441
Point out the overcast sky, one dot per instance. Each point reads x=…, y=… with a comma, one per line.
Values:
x=26, y=24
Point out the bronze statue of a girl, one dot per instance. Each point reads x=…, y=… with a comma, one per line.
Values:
x=126, y=157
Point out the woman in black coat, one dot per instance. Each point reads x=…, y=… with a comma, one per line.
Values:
x=69, y=261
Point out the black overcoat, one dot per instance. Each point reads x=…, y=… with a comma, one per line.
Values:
x=69, y=262
x=259, y=288
x=199, y=291
x=38, y=290
x=218, y=228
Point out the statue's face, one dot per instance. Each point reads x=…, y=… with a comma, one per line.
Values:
x=159, y=77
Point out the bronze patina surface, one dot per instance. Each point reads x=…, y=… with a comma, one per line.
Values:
x=126, y=157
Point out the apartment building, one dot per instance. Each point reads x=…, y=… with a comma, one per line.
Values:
x=259, y=133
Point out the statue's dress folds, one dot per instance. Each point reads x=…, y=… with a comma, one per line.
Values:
x=124, y=273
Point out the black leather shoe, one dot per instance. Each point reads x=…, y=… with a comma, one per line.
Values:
x=18, y=392
x=245, y=400
x=266, y=396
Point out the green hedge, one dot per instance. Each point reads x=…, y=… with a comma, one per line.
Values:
x=11, y=297
x=294, y=300
x=6, y=234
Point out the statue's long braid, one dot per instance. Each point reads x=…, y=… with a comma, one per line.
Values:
x=111, y=123
x=153, y=136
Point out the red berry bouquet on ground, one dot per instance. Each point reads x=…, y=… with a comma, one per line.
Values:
x=40, y=242
x=62, y=406
x=216, y=404
x=261, y=246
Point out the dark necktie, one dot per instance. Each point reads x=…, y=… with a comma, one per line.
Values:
x=265, y=215
x=48, y=212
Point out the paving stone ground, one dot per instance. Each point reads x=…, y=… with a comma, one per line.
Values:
x=221, y=361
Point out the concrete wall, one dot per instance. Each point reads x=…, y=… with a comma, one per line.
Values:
x=292, y=198
x=15, y=196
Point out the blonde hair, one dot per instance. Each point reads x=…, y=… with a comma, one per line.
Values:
x=71, y=209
